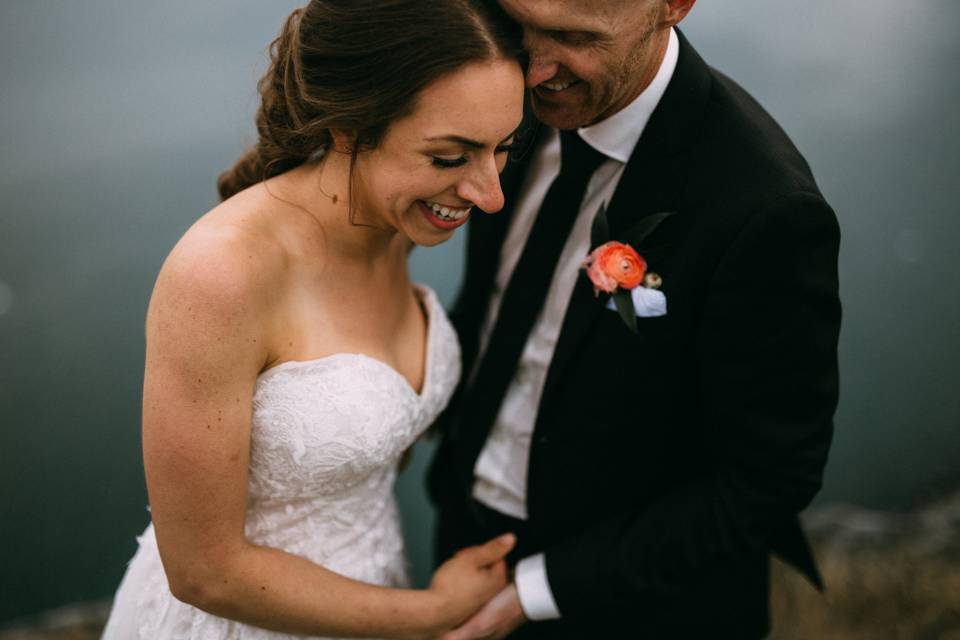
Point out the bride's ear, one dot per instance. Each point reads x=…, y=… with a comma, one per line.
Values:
x=342, y=140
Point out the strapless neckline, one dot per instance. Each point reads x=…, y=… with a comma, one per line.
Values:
x=429, y=303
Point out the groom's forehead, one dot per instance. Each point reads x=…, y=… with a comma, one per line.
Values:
x=571, y=15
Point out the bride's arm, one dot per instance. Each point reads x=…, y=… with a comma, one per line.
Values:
x=206, y=344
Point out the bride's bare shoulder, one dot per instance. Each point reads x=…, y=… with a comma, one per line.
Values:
x=229, y=259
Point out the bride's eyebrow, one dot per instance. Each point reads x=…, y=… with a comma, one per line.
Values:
x=467, y=142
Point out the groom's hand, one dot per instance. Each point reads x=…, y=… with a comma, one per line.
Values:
x=496, y=619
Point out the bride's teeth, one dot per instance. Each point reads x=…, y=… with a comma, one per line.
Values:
x=447, y=213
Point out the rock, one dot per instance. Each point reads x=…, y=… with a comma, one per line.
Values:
x=888, y=576
x=82, y=621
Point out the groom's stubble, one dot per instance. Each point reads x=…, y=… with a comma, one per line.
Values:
x=610, y=50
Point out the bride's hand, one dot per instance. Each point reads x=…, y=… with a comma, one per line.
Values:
x=465, y=582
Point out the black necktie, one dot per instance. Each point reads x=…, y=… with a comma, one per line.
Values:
x=523, y=299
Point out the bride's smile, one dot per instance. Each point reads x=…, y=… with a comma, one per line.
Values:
x=439, y=164
x=445, y=217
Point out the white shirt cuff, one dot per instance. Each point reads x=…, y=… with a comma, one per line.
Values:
x=536, y=598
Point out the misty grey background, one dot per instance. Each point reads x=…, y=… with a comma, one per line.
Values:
x=116, y=117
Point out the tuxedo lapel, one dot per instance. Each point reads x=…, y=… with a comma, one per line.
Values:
x=652, y=182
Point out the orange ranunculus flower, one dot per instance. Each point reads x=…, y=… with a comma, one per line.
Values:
x=614, y=264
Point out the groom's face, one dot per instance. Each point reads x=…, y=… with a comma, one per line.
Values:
x=588, y=58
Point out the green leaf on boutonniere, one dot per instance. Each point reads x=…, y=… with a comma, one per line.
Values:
x=600, y=229
x=639, y=232
x=623, y=301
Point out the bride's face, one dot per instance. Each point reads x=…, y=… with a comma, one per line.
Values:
x=435, y=167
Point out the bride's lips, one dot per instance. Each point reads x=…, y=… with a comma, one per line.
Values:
x=446, y=225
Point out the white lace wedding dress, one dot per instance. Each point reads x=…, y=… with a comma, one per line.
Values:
x=326, y=438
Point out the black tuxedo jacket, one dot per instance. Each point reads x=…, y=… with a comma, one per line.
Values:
x=666, y=465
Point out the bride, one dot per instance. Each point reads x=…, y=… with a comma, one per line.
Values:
x=290, y=361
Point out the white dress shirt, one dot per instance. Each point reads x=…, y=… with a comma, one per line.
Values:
x=501, y=469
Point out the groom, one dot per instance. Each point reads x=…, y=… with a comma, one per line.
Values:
x=652, y=448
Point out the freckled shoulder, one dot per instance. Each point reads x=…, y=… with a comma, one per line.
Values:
x=217, y=287
x=221, y=263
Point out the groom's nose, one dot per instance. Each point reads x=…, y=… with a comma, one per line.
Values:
x=540, y=69
x=543, y=64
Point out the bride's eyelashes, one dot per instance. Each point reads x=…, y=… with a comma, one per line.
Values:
x=459, y=161
x=447, y=163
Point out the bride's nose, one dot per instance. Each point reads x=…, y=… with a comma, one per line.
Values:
x=482, y=186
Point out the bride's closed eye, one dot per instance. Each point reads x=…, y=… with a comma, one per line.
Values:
x=451, y=163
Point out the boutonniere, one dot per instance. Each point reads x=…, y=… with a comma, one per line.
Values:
x=617, y=269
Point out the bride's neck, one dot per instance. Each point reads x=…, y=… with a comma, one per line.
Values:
x=321, y=189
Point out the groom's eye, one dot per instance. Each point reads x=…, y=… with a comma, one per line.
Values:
x=573, y=38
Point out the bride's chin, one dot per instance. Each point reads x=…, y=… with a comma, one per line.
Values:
x=430, y=239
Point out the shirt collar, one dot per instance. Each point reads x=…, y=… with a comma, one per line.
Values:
x=616, y=136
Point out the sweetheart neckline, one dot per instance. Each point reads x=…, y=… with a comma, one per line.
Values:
x=430, y=303
x=343, y=354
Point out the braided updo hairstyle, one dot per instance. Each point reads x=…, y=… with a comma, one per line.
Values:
x=357, y=66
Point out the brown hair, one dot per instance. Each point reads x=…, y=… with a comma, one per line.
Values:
x=358, y=65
